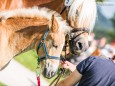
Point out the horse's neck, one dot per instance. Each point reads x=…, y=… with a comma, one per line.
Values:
x=59, y=8
x=10, y=4
x=30, y=3
x=56, y=5
x=17, y=36
x=14, y=4
x=24, y=36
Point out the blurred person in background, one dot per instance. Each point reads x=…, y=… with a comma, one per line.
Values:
x=102, y=42
x=108, y=50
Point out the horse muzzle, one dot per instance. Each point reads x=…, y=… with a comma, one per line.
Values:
x=77, y=47
x=48, y=73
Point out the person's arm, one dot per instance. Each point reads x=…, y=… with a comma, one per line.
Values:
x=68, y=65
x=71, y=80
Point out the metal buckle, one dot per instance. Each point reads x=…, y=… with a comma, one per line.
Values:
x=68, y=2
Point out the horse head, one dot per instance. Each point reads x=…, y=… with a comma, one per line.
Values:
x=54, y=44
x=21, y=31
x=81, y=16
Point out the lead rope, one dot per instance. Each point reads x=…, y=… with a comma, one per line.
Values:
x=38, y=75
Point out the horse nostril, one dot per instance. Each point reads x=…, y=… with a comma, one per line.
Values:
x=80, y=45
x=52, y=73
x=45, y=71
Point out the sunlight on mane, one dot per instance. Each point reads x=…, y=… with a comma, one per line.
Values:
x=27, y=12
x=87, y=14
x=34, y=13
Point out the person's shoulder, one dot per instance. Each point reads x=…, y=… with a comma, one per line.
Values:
x=96, y=58
x=85, y=64
x=90, y=58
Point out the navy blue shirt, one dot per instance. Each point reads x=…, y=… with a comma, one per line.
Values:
x=96, y=71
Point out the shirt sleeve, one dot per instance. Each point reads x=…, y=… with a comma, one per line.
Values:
x=84, y=65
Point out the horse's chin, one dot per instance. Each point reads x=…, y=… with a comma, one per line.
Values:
x=48, y=75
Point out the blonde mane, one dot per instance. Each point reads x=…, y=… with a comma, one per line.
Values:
x=36, y=12
x=87, y=14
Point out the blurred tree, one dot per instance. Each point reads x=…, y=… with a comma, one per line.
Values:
x=113, y=21
x=112, y=34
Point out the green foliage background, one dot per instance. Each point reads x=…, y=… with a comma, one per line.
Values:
x=109, y=34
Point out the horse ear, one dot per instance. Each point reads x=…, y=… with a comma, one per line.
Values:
x=54, y=27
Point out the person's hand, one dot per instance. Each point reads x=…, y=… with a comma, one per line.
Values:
x=68, y=65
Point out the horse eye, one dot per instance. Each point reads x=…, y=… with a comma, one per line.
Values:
x=53, y=44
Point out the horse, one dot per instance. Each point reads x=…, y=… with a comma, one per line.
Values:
x=80, y=14
x=21, y=30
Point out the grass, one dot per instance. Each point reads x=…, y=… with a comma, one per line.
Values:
x=28, y=59
x=2, y=84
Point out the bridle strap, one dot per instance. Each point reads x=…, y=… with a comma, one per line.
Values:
x=42, y=44
x=64, y=8
x=81, y=29
x=42, y=40
x=84, y=30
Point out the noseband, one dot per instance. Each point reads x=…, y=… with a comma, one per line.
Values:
x=42, y=44
x=83, y=30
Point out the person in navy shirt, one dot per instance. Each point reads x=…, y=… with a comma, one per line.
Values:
x=93, y=71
